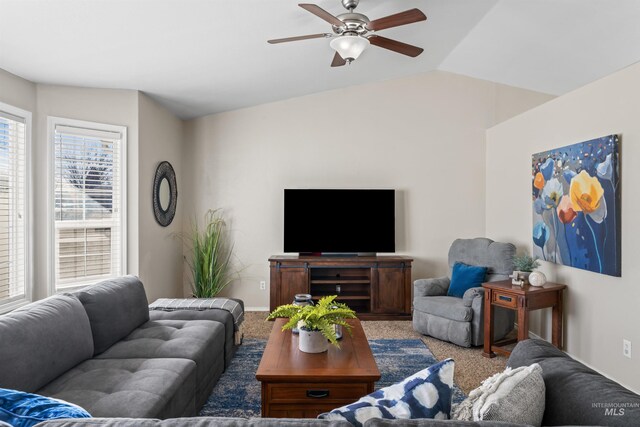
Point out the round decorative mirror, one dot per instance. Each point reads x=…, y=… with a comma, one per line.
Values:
x=165, y=194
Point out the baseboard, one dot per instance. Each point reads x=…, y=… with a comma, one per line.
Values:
x=256, y=309
x=531, y=334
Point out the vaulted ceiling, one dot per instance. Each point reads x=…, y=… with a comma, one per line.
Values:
x=205, y=56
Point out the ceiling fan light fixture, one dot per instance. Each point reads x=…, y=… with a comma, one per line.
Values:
x=349, y=47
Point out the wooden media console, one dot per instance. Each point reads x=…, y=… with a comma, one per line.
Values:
x=377, y=287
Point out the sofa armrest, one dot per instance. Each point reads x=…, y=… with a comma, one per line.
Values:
x=471, y=294
x=474, y=298
x=431, y=287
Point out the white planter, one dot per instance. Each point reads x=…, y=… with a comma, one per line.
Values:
x=312, y=342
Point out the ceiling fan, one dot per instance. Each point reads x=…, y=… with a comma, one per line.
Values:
x=353, y=32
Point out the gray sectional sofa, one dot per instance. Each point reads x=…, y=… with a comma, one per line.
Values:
x=101, y=349
x=575, y=395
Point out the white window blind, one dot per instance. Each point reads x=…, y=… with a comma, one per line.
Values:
x=13, y=209
x=89, y=224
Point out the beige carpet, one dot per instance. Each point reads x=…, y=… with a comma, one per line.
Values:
x=471, y=366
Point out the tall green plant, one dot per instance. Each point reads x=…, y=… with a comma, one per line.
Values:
x=210, y=260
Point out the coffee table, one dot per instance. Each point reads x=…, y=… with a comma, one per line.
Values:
x=302, y=385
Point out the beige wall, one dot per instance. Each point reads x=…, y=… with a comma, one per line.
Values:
x=17, y=91
x=423, y=136
x=115, y=107
x=160, y=139
x=600, y=310
x=154, y=135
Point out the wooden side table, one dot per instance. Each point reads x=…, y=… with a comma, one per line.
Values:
x=522, y=299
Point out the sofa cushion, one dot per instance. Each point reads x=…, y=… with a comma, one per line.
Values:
x=27, y=409
x=115, y=308
x=575, y=394
x=41, y=341
x=199, y=340
x=465, y=277
x=136, y=388
x=451, y=308
x=425, y=394
x=221, y=316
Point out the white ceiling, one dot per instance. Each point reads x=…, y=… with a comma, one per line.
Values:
x=206, y=56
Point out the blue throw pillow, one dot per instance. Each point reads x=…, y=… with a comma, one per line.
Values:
x=22, y=409
x=426, y=394
x=465, y=277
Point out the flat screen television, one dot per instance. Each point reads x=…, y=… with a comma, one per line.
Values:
x=342, y=221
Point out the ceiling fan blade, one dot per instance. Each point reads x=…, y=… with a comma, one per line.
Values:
x=396, y=46
x=338, y=61
x=293, y=39
x=402, y=18
x=321, y=13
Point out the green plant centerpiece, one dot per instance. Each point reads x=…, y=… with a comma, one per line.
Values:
x=316, y=322
x=525, y=263
x=210, y=256
x=523, y=266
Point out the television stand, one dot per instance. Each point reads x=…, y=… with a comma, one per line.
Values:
x=375, y=287
x=338, y=254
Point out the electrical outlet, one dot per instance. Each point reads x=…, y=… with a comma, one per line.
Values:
x=263, y=285
x=626, y=348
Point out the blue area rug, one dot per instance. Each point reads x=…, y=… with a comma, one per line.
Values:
x=237, y=394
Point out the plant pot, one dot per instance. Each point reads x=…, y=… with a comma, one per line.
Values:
x=524, y=275
x=312, y=341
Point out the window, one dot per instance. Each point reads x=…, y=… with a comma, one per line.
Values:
x=15, y=280
x=89, y=232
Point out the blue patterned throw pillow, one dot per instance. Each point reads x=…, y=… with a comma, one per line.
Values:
x=21, y=409
x=426, y=394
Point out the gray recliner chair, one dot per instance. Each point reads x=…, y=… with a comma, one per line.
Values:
x=461, y=320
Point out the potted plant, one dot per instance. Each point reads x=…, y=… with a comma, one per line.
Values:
x=210, y=257
x=525, y=264
x=317, y=323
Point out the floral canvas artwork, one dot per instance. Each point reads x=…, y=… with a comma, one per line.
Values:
x=576, y=205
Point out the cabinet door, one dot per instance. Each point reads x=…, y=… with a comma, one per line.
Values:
x=290, y=280
x=391, y=293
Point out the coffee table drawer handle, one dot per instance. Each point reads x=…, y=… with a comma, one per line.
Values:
x=503, y=298
x=317, y=394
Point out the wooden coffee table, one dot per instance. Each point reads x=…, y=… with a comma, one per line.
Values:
x=302, y=385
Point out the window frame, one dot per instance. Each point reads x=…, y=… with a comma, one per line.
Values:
x=13, y=303
x=52, y=251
